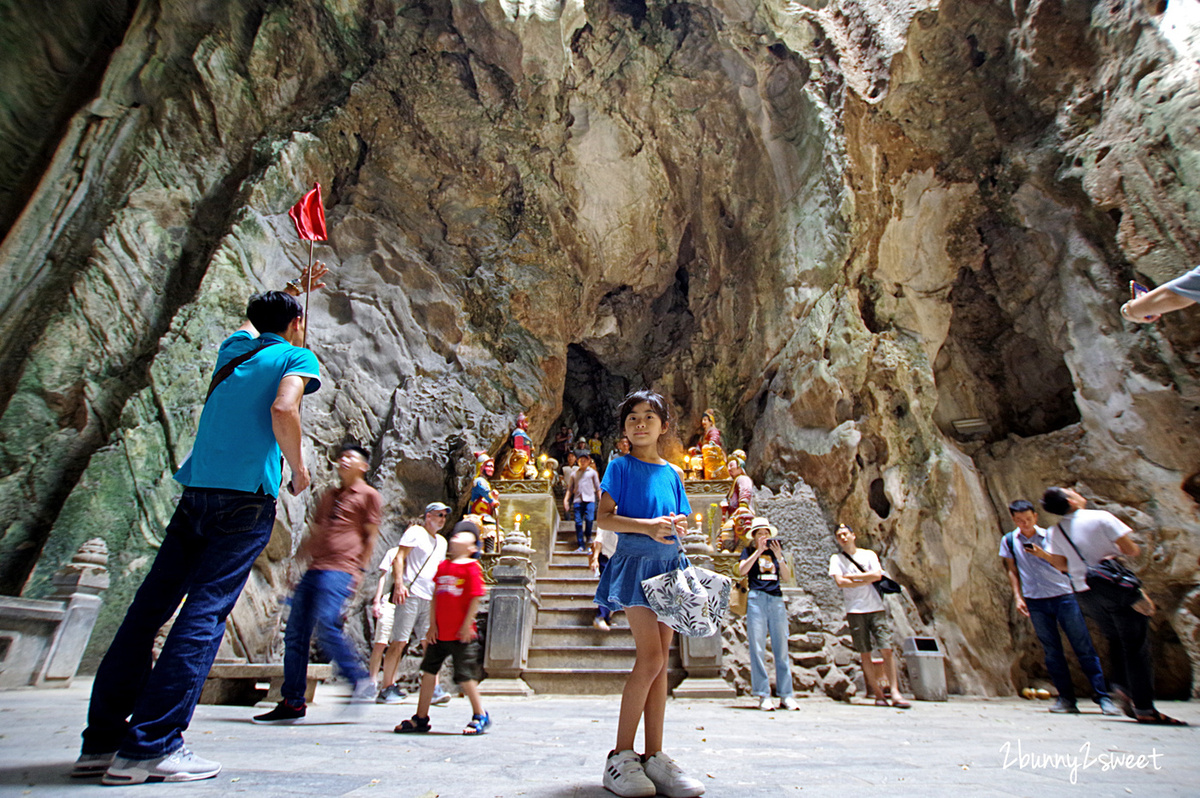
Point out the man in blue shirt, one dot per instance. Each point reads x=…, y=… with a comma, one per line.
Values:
x=1043, y=594
x=223, y=521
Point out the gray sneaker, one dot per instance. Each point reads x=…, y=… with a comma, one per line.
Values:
x=363, y=692
x=181, y=765
x=89, y=766
x=1109, y=707
x=390, y=695
x=1064, y=707
x=440, y=696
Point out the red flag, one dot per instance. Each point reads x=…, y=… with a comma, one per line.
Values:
x=309, y=216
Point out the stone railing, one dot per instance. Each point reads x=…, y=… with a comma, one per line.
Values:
x=42, y=640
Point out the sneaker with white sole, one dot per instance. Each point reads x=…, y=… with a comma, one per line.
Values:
x=180, y=765
x=789, y=704
x=440, y=697
x=390, y=695
x=625, y=776
x=669, y=779
x=89, y=766
x=766, y=704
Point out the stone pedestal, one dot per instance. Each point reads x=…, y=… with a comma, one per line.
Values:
x=701, y=658
x=511, y=614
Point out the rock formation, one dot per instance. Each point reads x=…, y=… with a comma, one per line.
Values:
x=886, y=240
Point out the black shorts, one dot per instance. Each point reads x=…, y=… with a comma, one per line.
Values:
x=466, y=657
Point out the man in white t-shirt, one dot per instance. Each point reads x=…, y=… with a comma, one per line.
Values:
x=420, y=551
x=383, y=611
x=1085, y=538
x=856, y=571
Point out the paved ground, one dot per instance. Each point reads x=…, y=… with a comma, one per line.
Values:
x=547, y=747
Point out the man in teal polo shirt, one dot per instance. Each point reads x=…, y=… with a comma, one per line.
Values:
x=222, y=523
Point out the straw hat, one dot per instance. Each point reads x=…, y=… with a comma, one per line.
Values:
x=763, y=523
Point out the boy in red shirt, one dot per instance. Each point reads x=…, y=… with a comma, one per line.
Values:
x=457, y=593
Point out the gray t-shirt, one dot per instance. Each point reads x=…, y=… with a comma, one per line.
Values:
x=1094, y=533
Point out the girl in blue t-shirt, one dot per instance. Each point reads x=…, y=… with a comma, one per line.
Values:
x=643, y=501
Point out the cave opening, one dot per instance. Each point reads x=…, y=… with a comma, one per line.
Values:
x=591, y=395
x=993, y=379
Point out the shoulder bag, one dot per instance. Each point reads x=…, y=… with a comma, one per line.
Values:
x=1109, y=577
x=885, y=584
x=228, y=368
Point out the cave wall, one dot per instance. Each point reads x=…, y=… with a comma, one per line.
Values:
x=844, y=225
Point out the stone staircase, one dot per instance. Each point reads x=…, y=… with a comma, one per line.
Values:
x=567, y=655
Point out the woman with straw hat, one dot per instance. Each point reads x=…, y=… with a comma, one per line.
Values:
x=764, y=566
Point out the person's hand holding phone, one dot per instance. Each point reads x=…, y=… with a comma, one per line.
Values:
x=1137, y=290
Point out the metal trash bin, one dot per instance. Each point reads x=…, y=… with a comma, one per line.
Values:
x=925, y=662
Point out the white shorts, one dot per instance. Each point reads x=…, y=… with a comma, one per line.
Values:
x=412, y=618
x=383, y=624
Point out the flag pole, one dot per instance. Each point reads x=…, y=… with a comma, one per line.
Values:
x=307, y=293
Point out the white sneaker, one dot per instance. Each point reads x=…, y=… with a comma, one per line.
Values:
x=600, y=624
x=766, y=704
x=625, y=776
x=181, y=765
x=669, y=779
x=789, y=704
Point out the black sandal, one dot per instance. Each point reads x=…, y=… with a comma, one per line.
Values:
x=417, y=725
x=1156, y=718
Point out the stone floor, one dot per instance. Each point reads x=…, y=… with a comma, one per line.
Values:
x=550, y=747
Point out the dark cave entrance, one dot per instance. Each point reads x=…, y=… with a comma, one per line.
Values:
x=591, y=396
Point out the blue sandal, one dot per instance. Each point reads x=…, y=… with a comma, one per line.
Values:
x=478, y=725
x=417, y=725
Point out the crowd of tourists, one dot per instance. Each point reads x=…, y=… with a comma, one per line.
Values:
x=432, y=586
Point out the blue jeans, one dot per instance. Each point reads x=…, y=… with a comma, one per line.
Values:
x=768, y=614
x=603, y=613
x=585, y=514
x=139, y=709
x=1048, y=614
x=317, y=603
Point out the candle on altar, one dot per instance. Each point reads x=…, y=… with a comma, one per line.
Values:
x=546, y=474
x=517, y=522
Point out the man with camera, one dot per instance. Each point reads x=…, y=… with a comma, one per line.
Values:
x=1043, y=595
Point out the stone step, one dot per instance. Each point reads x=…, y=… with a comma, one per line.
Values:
x=583, y=657
x=595, y=681
x=570, y=615
x=567, y=584
x=580, y=635
x=590, y=657
x=568, y=600
x=568, y=571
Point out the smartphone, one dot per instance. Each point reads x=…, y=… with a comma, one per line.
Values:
x=1136, y=289
x=1027, y=546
